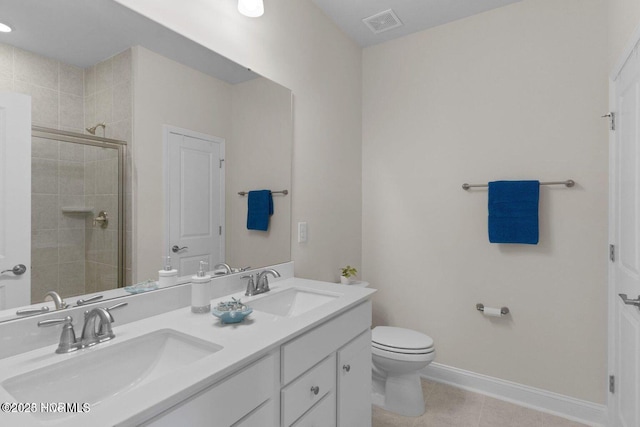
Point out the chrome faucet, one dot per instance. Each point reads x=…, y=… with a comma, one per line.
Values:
x=226, y=267
x=261, y=284
x=93, y=333
x=96, y=329
x=262, y=280
x=57, y=300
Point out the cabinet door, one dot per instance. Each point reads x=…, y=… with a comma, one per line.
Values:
x=354, y=382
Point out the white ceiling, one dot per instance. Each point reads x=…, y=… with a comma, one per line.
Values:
x=85, y=32
x=416, y=15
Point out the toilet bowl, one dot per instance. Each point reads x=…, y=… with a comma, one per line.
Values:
x=398, y=354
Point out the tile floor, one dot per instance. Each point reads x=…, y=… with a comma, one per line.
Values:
x=453, y=407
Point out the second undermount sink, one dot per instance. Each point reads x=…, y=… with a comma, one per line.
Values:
x=97, y=374
x=292, y=302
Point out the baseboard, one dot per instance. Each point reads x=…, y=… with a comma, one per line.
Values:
x=541, y=400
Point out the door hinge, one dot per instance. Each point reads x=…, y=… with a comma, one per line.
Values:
x=612, y=384
x=612, y=120
x=220, y=230
x=220, y=166
x=612, y=253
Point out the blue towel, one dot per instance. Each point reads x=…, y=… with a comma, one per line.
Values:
x=259, y=209
x=513, y=212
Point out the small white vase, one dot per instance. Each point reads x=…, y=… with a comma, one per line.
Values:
x=345, y=280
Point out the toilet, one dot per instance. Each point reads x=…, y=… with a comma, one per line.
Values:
x=398, y=355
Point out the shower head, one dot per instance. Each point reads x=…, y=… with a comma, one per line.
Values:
x=92, y=130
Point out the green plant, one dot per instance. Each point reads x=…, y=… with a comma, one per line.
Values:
x=349, y=271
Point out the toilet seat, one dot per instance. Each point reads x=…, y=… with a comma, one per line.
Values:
x=400, y=340
x=402, y=350
x=426, y=356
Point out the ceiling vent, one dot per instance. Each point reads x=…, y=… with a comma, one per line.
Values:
x=383, y=21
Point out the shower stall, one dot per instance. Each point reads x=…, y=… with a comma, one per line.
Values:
x=77, y=202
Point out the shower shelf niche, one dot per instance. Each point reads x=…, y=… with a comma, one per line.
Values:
x=78, y=210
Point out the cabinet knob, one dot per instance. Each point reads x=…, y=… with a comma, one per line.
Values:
x=315, y=389
x=346, y=368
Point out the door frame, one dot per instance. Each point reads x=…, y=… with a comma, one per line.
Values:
x=166, y=130
x=611, y=291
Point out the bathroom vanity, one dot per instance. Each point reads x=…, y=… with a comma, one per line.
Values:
x=302, y=358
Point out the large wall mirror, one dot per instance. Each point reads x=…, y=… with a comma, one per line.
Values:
x=101, y=70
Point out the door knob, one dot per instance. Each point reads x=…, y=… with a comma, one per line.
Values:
x=315, y=389
x=176, y=248
x=628, y=301
x=17, y=270
x=346, y=368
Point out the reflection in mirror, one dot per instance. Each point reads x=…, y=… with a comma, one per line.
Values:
x=98, y=66
x=77, y=197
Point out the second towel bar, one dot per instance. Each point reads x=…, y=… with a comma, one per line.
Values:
x=285, y=192
x=568, y=183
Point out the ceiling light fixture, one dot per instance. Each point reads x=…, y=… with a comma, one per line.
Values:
x=251, y=8
x=4, y=28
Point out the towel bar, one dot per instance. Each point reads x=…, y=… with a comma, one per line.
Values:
x=568, y=183
x=285, y=192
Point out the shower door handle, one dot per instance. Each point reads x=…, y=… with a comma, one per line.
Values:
x=18, y=270
x=176, y=248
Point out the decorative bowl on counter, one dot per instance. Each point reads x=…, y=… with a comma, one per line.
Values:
x=231, y=311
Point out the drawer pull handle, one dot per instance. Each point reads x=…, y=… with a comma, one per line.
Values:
x=315, y=389
x=346, y=368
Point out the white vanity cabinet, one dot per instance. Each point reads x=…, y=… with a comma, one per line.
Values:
x=244, y=399
x=321, y=378
x=317, y=390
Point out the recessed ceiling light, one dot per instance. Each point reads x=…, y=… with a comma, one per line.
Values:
x=4, y=28
x=251, y=8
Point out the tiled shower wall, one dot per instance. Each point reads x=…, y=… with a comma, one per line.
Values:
x=107, y=90
x=65, y=254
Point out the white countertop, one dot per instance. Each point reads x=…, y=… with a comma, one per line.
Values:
x=242, y=343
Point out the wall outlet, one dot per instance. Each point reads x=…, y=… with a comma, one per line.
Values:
x=302, y=232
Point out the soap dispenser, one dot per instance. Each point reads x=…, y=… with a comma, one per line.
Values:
x=168, y=276
x=201, y=291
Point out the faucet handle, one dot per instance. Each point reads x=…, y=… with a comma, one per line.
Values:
x=251, y=287
x=103, y=328
x=68, y=342
x=119, y=305
x=88, y=300
x=52, y=322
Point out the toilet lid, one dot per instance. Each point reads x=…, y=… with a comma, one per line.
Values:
x=400, y=338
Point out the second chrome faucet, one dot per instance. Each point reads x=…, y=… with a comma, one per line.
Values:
x=261, y=284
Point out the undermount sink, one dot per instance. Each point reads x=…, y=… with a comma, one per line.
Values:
x=93, y=375
x=292, y=302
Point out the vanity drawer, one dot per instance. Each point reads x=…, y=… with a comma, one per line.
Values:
x=259, y=417
x=302, y=353
x=226, y=402
x=321, y=415
x=299, y=396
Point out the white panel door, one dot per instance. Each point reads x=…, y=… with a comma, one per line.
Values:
x=194, y=202
x=15, y=199
x=625, y=269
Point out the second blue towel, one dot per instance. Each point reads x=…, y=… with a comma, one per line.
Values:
x=513, y=212
x=259, y=209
